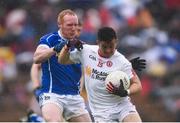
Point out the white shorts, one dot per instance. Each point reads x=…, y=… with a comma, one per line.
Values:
x=117, y=114
x=71, y=105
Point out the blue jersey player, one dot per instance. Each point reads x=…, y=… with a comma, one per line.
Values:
x=59, y=95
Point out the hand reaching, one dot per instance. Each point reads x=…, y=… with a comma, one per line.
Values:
x=57, y=48
x=76, y=43
x=138, y=64
x=120, y=91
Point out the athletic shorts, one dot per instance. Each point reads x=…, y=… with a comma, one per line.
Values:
x=71, y=105
x=115, y=114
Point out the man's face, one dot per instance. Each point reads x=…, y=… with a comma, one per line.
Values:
x=69, y=26
x=107, y=49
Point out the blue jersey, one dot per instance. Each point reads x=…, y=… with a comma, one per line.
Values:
x=58, y=78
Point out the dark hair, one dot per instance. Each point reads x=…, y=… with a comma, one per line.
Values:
x=106, y=34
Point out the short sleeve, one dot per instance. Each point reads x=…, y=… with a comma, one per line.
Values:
x=43, y=41
x=127, y=67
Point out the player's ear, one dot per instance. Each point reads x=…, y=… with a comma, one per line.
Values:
x=59, y=25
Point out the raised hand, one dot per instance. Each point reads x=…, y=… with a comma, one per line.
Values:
x=120, y=91
x=138, y=64
x=76, y=43
x=57, y=48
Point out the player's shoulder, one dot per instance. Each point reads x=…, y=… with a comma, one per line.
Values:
x=90, y=47
x=120, y=56
x=50, y=36
x=49, y=39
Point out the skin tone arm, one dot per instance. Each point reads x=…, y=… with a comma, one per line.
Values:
x=42, y=53
x=136, y=86
x=63, y=57
x=35, y=74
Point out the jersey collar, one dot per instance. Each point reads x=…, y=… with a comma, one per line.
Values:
x=59, y=33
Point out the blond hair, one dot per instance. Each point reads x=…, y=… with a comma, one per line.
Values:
x=63, y=13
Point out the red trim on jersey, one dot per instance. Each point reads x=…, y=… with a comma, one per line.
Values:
x=100, y=54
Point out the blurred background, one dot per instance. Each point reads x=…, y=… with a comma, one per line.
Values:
x=146, y=28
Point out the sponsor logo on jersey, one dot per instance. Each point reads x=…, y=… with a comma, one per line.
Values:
x=92, y=57
x=99, y=75
x=95, y=74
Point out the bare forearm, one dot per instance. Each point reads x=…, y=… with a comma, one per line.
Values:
x=35, y=75
x=136, y=86
x=43, y=55
x=63, y=56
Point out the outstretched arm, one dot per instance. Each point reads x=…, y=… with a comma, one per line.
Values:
x=42, y=53
x=63, y=56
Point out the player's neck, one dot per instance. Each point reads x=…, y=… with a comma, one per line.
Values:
x=61, y=35
x=101, y=54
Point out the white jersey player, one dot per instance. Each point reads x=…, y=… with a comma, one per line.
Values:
x=98, y=61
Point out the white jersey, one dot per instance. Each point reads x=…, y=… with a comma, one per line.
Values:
x=96, y=68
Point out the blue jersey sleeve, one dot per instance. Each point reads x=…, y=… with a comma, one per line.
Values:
x=49, y=40
x=44, y=41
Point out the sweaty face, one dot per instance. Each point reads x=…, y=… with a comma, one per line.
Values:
x=69, y=26
x=107, y=49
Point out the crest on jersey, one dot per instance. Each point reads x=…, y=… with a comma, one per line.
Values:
x=109, y=63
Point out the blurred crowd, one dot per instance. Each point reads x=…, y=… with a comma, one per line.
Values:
x=146, y=28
